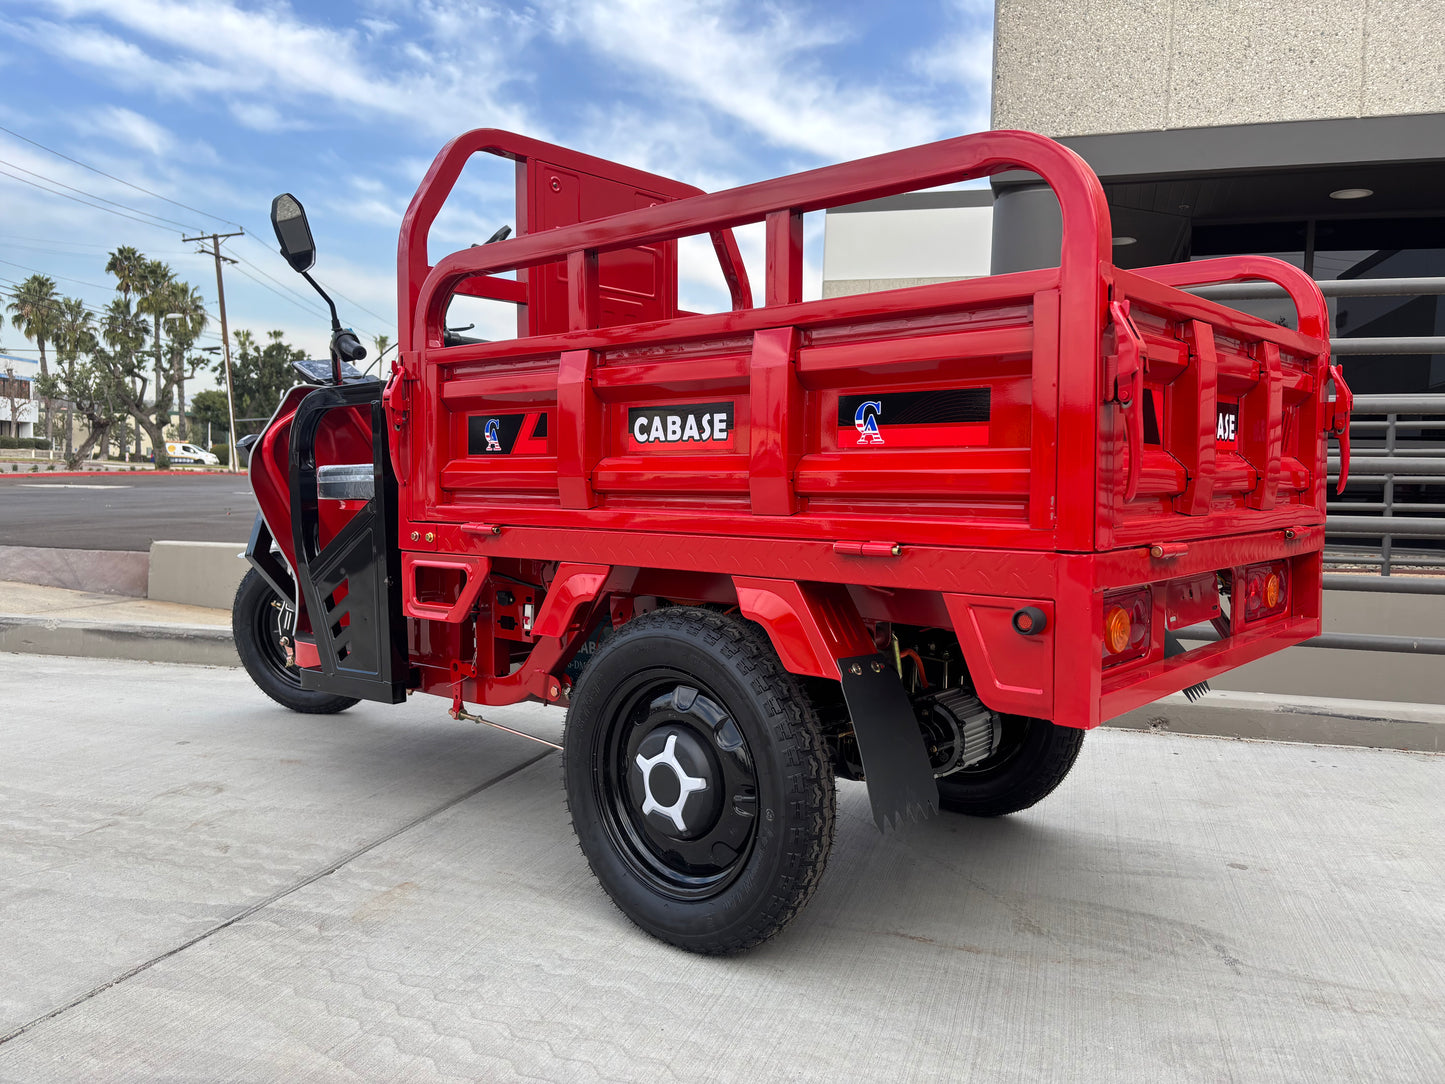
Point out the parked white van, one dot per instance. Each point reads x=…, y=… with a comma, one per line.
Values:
x=189, y=453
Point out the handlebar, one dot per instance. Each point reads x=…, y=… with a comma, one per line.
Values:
x=347, y=346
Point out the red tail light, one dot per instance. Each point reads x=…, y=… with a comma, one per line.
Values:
x=1266, y=590
x=1126, y=632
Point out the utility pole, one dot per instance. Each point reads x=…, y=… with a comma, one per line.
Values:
x=215, y=250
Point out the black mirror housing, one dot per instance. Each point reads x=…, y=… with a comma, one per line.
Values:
x=288, y=219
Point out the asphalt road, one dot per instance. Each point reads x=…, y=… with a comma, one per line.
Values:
x=124, y=511
x=201, y=886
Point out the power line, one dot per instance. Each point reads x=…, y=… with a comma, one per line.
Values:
x=294, y=297
x=111, y=176
x=11, y=239
x=87, y=203
x=88, y=308
x=288, y=289
x=49, y=274
x=283, y=296
x=357, y=304
x=252, y=234
x=92, y=195
x=353, y=302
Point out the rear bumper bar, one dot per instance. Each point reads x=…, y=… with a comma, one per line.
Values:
x=1148, y=683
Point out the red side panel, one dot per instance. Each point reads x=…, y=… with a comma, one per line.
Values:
x=1011, y=672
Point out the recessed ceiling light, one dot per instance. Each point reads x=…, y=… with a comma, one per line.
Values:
x=1125, y=240
x=1351, y=193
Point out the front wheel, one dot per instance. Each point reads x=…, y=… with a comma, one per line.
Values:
x=697, y=780
x=1032, y=758
x=258, y=625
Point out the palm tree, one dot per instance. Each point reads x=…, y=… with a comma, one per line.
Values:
x=128, y=266
x=156, y=290
x=33, y=310
x=187, y=311
x=74, y=335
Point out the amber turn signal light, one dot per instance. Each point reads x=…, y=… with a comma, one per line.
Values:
x=1266, y=590
x=1273, y=589
x=1118, y=630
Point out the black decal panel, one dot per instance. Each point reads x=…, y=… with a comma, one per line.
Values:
x=915, y=419
x=688, y=426
x=507, y=434
x=1226, y=427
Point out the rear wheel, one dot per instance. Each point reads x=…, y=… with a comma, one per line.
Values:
x=697, y=781
x=1032, y=759
x=258, y=624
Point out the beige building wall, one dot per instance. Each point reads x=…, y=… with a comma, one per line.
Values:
x=1082, y=67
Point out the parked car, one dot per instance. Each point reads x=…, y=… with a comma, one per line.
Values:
x=189, y=453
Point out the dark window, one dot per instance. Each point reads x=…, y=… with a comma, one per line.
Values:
x=1282, y=240
x=1386, y=248
x=1364, y=248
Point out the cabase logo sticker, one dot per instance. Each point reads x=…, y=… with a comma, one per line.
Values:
x=693, y=427
x=950, y=417
x=1226, y=428
x=507, y=434
x=865, y=420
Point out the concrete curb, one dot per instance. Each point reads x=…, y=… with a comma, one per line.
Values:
x=196, y=573
x=207, y=645
x=1261, y=716
x=1315, y=720
x=106, y=572
x=22, y=475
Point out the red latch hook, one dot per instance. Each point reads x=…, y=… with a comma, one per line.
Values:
x=1339, y=423
x=1128, y=389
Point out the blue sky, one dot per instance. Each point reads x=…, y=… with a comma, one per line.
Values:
x=220, y=104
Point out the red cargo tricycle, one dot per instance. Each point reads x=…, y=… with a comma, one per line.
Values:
x=924, y=537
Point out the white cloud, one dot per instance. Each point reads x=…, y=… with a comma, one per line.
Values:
x=963, y=59
x=129, y=127
x=265, y=117
x=255, y=59
x=172, y=82
x=759, y=72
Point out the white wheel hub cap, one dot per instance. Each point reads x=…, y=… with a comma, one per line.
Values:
x=686, y=784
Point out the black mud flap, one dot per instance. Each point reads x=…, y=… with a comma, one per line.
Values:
x=364, y=655
x=895, y=763
x=268, y=566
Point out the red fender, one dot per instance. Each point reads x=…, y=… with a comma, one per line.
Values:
x=811, y=626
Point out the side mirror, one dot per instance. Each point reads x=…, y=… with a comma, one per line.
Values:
x=288, y=219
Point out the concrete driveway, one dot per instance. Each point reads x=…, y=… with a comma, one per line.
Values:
x=201, y=886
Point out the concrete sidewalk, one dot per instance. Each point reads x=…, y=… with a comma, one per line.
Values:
x=56, y=621
x=201, y=886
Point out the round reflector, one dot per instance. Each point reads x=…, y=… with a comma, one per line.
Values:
x=1117, y=630
x=1273, y=590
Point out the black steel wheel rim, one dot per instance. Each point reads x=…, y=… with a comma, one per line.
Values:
x=682, y=732
x=270, y=626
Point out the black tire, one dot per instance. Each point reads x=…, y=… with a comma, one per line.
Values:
x=256, y=627
x=705, y=695
x=1031, y=760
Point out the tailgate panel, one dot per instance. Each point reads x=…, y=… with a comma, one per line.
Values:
x=1232, y=434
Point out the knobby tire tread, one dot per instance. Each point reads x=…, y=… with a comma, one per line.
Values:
x=790, y=714
x=251, y=593
x=1040, y=780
